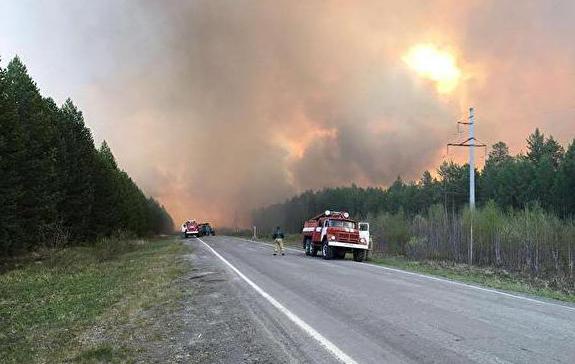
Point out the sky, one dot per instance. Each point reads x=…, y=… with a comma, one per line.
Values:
x=217, y=107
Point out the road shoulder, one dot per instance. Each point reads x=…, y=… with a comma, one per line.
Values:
x=227, y=322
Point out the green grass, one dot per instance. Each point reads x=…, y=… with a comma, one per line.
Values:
x=548, y=288
x=48, y=306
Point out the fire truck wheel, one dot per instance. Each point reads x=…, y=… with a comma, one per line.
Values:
x=314, y=250
x=326, y=250
x=308, y=247
x=359, y=255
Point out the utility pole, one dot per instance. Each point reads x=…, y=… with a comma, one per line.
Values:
x=470, y=143
x=471, y=160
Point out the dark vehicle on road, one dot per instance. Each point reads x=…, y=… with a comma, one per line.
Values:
x=206, y=229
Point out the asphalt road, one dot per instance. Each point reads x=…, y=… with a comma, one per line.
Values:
x=312, y=310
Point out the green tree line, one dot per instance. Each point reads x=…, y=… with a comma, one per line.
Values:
x=544, y=176
x=56, y=187
x=523, y=221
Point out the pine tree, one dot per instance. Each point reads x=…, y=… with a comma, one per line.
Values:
x=105, y=213
x=499, y=153
x=553, y=151
x=427, y=192
x=565, y=183
x=535, y=146
x=496, y=183
x=37, y=170
x=76, y=166
x=545, y=155
x=454, y=184
x=12, y=228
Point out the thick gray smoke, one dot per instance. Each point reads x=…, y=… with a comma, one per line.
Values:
x=217, y=107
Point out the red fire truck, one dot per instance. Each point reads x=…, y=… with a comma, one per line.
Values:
x=190, y=228
x=335, y=234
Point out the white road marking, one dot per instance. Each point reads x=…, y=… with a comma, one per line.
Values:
x=338, y=353
x=571, y=308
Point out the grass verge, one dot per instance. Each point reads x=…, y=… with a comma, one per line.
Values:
x=486, y=277
x=79, y=303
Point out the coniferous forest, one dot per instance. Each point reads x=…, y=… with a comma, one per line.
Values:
x=523, y=221
x=56, y=187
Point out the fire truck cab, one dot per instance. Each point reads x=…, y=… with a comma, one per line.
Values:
x=334, y=234
x=364, y=232
x=190, y=228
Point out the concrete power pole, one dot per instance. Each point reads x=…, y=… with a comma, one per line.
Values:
x=471, y=160
x=471, y=181
x=470, y=143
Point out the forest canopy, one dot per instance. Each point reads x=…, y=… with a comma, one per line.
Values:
x=56, y=187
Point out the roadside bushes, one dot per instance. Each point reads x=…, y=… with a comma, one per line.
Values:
x=392, y=232
x=530, y=240
x=118, y=243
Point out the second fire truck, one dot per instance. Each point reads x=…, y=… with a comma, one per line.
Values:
x=190, y=228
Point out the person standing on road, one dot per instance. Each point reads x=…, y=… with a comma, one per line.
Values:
x=278, y=237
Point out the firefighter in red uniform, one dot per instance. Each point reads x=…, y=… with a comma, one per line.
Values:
x=278, y=237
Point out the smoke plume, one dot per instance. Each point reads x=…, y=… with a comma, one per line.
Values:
x=217, y=107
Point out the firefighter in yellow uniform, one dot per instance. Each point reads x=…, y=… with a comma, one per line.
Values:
x=278, y=237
